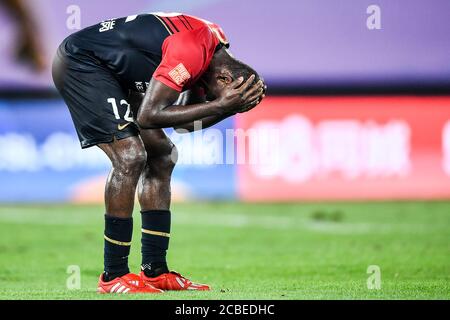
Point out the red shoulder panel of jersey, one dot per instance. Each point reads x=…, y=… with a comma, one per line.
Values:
x=178, y=22
x=185, y=57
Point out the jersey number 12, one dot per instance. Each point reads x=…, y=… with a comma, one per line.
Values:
x=124, y=103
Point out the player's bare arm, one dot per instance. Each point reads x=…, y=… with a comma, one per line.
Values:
x=187, y=97
x=158, y=108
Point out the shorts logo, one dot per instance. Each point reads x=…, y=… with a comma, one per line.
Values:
x=179, y=74
x=123, y=126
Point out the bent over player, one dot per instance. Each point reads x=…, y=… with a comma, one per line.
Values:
x=183, y=66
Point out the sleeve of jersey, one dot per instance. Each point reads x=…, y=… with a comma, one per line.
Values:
x=183, y=56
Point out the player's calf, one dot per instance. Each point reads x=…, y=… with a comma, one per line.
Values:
x=154, y=198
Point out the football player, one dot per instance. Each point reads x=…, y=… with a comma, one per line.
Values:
x=183, y=68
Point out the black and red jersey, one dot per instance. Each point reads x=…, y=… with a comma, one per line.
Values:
x=174, y=48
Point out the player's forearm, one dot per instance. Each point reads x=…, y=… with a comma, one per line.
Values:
x=152, y=117
x=201, y=124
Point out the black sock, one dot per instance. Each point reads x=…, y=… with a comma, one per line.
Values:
x=155, y=241
x=118, y=232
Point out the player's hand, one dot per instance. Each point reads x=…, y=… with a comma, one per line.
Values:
x=236, y=96
x=251, y=105
x=255, y=102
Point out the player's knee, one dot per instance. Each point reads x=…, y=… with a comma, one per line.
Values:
x=167, y=161
x=173, y=156
x=162, y=165
x=132, y=163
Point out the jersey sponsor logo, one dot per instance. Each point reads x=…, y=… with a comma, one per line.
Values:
x=179, y=74
x=139, y=86
x=107, y=25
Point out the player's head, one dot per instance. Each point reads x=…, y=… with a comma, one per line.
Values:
x=223, y=70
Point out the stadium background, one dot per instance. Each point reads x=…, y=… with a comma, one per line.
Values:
x=361, y=114
x=334, y=147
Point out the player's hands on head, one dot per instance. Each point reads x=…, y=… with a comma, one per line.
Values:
x=238, y=96
x=254, y=103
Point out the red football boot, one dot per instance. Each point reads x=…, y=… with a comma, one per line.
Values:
x=173, y=281
x=129, y=283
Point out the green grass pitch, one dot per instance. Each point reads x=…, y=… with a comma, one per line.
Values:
x=245, y=251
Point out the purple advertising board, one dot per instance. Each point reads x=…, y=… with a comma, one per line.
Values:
x=296, y=42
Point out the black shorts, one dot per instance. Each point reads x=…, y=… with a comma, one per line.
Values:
x=96, y=100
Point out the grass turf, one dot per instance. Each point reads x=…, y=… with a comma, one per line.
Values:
x=245, y=251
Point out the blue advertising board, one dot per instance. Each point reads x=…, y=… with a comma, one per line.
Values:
x=41, y=159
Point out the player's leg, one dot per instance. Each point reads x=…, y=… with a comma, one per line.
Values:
x=128, y=158
x=100, y=114
x=154, y=198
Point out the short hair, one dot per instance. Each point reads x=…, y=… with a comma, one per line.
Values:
x=239, y=69
x=235, y=67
